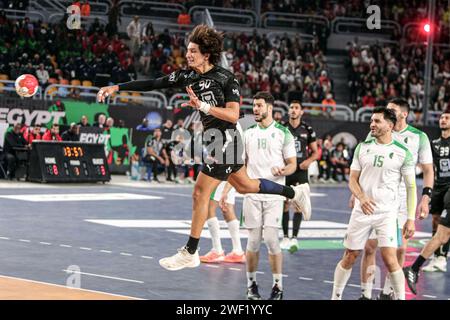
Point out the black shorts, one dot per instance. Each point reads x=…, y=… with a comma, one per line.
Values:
x=220, y=171
x=298, y=177
x=440, y=204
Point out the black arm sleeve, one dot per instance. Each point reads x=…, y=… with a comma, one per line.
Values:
x=172, y=80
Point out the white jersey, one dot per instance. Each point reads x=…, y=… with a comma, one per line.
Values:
x=266, y=148
x=418, y=144
x=382, y=167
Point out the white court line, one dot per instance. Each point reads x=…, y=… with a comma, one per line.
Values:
x=24, y=240
x=327, y=281
x=65, y=246
x=307, y=279
x=428, y=296
x=354, y=285
x=103, y=276
x=61, y=286
x=105, y=251
x=84, y=248
x=4, y=238
x=46, y=243
x=234, y=269
x=146, y=257
x=259, y=272
x=211, y=266
x=284, y=276
x=125, y=254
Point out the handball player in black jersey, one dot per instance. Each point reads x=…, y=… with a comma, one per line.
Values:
x=440, y=202
x=215, y=93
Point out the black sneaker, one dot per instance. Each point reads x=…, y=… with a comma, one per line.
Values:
x=363, y=297
x=252, y=292
x=411, y=278
x=384, y=296
x=276, y=293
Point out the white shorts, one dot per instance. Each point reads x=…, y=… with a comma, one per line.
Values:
x=361, y=226
x=217, y=194
x=259, y=214
x=402, y=217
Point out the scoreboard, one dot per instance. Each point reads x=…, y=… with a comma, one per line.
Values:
x=68, y=162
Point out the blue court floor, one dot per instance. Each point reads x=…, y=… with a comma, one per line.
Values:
x=114, y=234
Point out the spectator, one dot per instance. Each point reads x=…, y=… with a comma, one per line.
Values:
x=85, y=9
x=369, y=100
x=101, y=123
x=184, y=18
x=134, y=33
x=166, y=130
x=340, y=161
x=143, y=126
x=155, y=155
x=84, y=122
x=328, y=102
x=32, y=134
x=113, y=18
x=71, y=134
x=52, y=134
x=109, y=123
x=42, y=75
x=13, y=139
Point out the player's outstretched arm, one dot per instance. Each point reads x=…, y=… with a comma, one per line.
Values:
x=171, y=80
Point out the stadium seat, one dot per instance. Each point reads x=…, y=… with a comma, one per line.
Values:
x=123, y=97
x=52, y=91
x=136, y=95
x=1, y=87
x=87, y=83
x=64, y=81
x=75, y=82
x=53, y=81
x=4, y=77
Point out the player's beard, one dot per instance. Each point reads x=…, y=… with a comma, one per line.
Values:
x=262, y=117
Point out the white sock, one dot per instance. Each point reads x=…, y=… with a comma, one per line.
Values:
x=387, y=289
x=398, y=283
x=366, y=289
x=214, y=229
x=278, y=279
x=341, y=277
x=233, y=227
x=251, y=276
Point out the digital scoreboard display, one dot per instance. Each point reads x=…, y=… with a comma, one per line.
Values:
x=68, y=162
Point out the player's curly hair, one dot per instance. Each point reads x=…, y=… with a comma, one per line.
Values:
x=209, y=41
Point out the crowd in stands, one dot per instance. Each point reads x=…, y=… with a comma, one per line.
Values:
x=57, y=55
x=378, y=73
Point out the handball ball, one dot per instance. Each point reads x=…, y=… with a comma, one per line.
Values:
x=26, y=85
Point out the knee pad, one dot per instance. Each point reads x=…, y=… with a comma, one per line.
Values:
x=254, y=239
x=271, y=240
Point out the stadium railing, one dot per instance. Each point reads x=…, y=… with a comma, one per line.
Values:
x=63, y=91
x=150, y=9
x=20, y=14
x=57, y=17
x=225, y=16
x=338, y=111
x=347, y=25
x=151, y=98
x=277, y=20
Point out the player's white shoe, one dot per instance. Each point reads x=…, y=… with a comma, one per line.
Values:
x=430, y=266
x=183, y=259
x=441, y=264
x=285, y=244
x=302, y=201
